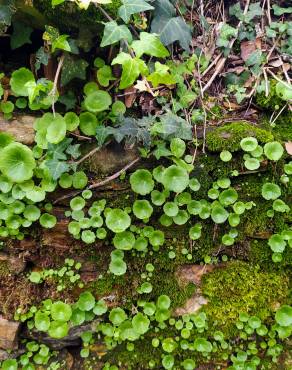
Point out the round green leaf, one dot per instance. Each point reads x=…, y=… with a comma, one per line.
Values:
x=17, y=162
x=142, y=182
x=61, y=311
x=175, y=178
x=98, y=101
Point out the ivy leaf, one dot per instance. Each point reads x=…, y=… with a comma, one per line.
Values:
x=130, y=7
x=164, y=8
x=171, y=126
x=280, y=11
x=161, y=150
x=62, y=43
x=56, y=151
x=113, y=33
x=104, y=76
x=102, y=133
x=56, y=168
x=21, y=35
x=73, y=68
x=187, y=96
x=132, y=68
x=41, y=58
x=254, y=58
x=149, y=44
x=57, y=2
x=254, y=10
x=74, y=151
x=161, y=76
x=6, y=12
x=171, y=29
x=134, y=130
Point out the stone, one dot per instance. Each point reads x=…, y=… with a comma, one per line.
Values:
x=9, y=334
x=20, y=127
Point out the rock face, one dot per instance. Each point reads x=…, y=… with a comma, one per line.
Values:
x=192, y=274
x=9, y=334
x=21, y=128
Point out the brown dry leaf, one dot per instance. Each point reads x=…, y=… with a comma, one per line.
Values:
x=276, y=63
x=248, y=47
x=288, y=147
x=130, y=96
x=231, y=106
x=286, y=66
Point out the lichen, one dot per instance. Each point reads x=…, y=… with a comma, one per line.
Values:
x=228, y=137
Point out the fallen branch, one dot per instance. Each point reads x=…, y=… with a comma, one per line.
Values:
x=100, y=183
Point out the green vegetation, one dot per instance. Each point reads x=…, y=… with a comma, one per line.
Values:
x=164, y=170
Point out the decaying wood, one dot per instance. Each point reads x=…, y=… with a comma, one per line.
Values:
x=71, y=340
x=15, y=264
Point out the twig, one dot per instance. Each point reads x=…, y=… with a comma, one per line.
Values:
x=104, y=12
x=56, y=79
x=114, y=176
x=99, y=184
x=89, y=154
x=278, y=79
x=274, y=120
x=221, y=63
x=211, y=65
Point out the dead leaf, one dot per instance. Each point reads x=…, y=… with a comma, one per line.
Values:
x=130, y=96
x=288, y=147
x=276, y=63
x=248, y=47
x=231, y=106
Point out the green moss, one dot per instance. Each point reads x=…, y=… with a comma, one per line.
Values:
x=283, y=128
x=242, y=287
x=68, y=16
x=166, y=283
x=228, y=137
x=272, y=101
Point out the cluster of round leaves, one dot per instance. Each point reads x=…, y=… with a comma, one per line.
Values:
x=84, y=221
x=250, y=326
x=255, y=153
x=65, y=276
x=278, y=243
x=19, y=192
x=36, y=355
x=56, y=318
x=190, y=335
x=125, y=328
x=183, y=206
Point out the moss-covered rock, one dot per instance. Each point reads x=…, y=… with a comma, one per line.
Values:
x=242, y=287
x=228, y=137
